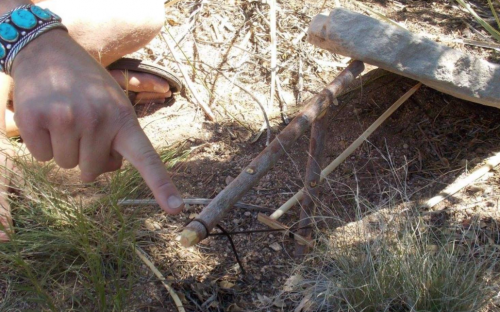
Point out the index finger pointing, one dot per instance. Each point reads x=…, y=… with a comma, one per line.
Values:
x=134, y=145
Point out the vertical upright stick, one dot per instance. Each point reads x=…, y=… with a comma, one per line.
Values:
x=312, y=181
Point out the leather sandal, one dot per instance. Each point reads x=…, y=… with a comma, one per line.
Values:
x=141, y=66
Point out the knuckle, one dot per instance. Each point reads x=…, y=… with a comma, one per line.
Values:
x=125, y=114
x=26, y=119
x=165, y=184
x=149, y=158
x=93, y=119
x=63, y=118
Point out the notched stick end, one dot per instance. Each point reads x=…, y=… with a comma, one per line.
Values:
x=189, y=238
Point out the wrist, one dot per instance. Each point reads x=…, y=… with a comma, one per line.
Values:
x=7, y=5
x=21, y=26
x=43, y=49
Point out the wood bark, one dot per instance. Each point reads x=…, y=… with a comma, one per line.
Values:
x=213, y=213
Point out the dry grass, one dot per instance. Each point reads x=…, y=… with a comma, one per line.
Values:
x=395, y=257
x=71, y=252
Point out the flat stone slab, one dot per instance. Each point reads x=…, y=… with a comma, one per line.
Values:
x=399, y=51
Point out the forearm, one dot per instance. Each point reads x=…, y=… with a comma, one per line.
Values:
x=7, y=5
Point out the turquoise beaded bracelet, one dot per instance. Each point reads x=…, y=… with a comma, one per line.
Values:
x=19, y=27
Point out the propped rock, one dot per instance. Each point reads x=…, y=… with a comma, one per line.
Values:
x=399, y=51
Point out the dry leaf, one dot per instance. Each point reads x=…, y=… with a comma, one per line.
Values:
x=304, y=304
x=292, y=282
x=279, y=303
x=264, y=299
x=226, y=285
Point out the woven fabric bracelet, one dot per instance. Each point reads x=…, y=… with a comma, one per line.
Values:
x=19, y=27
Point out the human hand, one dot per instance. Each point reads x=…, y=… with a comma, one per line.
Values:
x=67, y=107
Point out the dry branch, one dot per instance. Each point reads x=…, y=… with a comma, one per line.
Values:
x=251, y=175
x=337, y=161
x=313, y=173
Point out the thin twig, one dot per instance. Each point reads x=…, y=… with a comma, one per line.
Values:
x=256, y=99
x=491, y=163
x=300, y=81
x=272, y=19
x=142, y=255
x=282, y=101
x=208, y=112
x=189, y=201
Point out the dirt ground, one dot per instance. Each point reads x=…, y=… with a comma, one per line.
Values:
x=429, y=142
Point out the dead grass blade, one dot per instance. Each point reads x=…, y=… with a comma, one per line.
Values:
x=380, y=15
x=142, y=255
x=494, y=12
x=493, y=32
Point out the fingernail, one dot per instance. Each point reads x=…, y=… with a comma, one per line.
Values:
x=175, y=202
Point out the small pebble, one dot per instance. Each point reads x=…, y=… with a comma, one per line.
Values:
x=275, y=247
x=405, y=146
x=236, y=221
x=247, y=214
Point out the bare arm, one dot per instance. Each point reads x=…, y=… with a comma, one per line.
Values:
x=7, y=5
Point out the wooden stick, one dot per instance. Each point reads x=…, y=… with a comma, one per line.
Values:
x=189, y=201
x=273, y=224
x=491, y=163
x=346, y=153
x=272, y=31
x=208, y=112
x=259, y=103
x=214, y=212
x=313, y=173
x=142, y=255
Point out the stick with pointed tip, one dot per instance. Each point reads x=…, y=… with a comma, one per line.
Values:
x=213, y=213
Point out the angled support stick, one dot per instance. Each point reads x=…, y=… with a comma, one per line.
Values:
x=214, y=212
x=313, y=173
x=337, y=161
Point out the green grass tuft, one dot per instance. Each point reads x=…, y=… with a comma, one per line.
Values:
x=69, y=253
